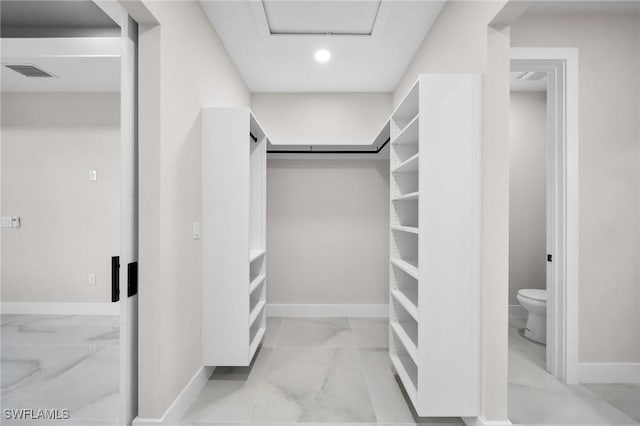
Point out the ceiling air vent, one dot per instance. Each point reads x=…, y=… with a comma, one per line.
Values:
x=29, y=70
x=532, y=75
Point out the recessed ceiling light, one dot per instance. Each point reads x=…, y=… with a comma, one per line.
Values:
x=323, y=55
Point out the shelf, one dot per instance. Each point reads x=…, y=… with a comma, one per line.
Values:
x=256, y=283
x=399, y=362
x=407, y=166
x=407, y=342
x=405, y=197
x=409, y=305
x=410, y=229
x=256, y=254
x=253, y=347
x=406, y=267
x=408, y=107
x=256, y=312
x=409, y=134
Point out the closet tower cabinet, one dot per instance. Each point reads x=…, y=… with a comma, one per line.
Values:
x=434, y=318
x=233, y=236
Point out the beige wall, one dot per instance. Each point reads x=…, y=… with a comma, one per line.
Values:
x=322, y=118
x=449, y=49
x=609, y=174
x=326, y=215
x=328, y=231
x=70, y=225
x=185, y=67
x=460, y=41
x=527, y=192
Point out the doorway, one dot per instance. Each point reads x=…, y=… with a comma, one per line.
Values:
x=560, y=68
x=68, y=194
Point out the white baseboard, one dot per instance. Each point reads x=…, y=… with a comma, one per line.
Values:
x=517, y=311
x=327, y=311
x=176, y=411
x=37, y=308
x=589, y=372
x=481, y=421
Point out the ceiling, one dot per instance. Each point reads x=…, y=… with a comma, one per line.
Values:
x=272, y=42
x=78, y=64
x=585, y=6
x=74, y=40
x=54, y=18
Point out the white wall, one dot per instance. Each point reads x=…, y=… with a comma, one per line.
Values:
x=184, y=67
x=322, y=118
x=327, y=220
x=609, y=174
x=70, y=225
x=527, y=192
x=462, y=41
x=328, y=231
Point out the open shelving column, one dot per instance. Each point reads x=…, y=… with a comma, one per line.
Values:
x=435, y=244
x=234, y=276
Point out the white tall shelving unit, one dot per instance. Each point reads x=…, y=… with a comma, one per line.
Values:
x=234, y=276
x=435, y=244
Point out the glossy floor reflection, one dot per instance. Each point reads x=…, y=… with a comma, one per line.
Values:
x=64, y=362
x=311, y=371
x=537, y=398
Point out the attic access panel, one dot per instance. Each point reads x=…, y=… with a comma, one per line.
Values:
x=321, y=17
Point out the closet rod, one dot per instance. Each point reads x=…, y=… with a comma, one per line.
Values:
x=311, y=151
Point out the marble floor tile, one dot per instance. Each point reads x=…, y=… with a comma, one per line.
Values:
x=62, y=361
x=68, y=422
x=370, y=332
x=27, y=367
x=273, y=328
x=63, y=329
x=315, y=332
x=624, y=396
x=533, y=351
x=88, y=390
x=313, y=384
x=388, y=401
x=14, y=319
x=230, y=393
x=565, y=406
x=536, y=397
x=432, y=422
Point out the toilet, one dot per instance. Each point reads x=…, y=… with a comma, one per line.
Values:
x=535, y=302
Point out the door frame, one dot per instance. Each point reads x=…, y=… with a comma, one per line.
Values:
x=562, y=67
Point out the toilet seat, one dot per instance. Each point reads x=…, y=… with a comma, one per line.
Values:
x=534, y=294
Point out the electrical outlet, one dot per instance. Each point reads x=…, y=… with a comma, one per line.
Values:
x=92, y=279
x=7, y=222
x=93, y=175
x=196, y=230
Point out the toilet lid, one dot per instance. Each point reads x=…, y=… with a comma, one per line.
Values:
x=534, y=294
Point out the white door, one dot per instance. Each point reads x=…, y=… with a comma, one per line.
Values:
x=128, y=255
x=129, y=224
x=554, y=316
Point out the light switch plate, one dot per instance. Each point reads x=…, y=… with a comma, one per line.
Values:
x=93, y=175
x=196, y=230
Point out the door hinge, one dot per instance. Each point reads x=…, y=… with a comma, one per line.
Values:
x=549, y=258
